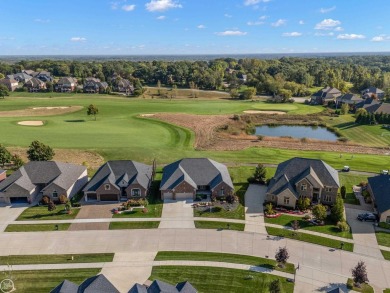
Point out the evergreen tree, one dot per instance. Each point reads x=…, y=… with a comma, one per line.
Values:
x=260, y=174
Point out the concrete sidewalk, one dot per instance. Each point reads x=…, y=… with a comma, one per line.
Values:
x=8, y=214
x=254, y=212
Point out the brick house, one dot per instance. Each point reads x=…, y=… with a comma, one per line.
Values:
x=10, y=83
x=66, y=84
x=119, y=180
x=35, y=85
x=324, y=96
x=185, y=178
x=300, y=177
x=94, y=85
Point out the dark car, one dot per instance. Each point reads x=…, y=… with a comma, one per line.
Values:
x=366, y=217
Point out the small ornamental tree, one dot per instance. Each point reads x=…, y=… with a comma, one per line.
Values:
x=5, y=156
x=337, y=211
x=359, y=274
x=269, y=210
x=275, y=287
x=17, y=161
x=63, y=199
x=319, y=211
x=343, y=191
x=38, y=151
x=303, y=203
x=344, y=109
x=51, y=206
x=92, y=110
x=260, y=174
x=282, y=256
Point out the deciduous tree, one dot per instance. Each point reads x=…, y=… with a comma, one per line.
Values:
x=38, y=151
x=4, y=92
x=359, y=273
x=92, y=110
x=5, y=155
x=319, y=211
x=282, y=256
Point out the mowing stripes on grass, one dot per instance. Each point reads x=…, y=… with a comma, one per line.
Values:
x=216, y=280
x=219, y=225
x=41, y=213
x=134, y=225
x=56, y=258
x=36, y=227
x=309, y=238
x=223, y=257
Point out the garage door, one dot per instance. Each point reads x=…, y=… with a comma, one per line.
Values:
x=91, y=197
x=108, y=197
x=168, y=195
x=19, y=199
x=184, y=196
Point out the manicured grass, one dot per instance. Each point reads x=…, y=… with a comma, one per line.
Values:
x=56, y=258
x=383, y=238
x=43, y=281
x=154, y=211
x=133, y=225
x=309, y=238
x=348, y=180
x=213, y=280
x=41, y=213
x=386, y=255
x=238, y=213
x=36, y=227
x=219, y=225
x=386, y=291
x=365, y=288
x=224, y=257
x=328, y=228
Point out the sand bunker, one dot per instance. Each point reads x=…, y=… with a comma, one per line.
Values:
x=264, y=112
x=147, y=115
x=31, y=123
x=40, y=111
x=50, y=108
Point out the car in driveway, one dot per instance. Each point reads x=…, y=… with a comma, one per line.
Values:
x=346, y=169
x=367, y=217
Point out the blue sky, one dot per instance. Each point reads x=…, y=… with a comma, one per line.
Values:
x=136, y=27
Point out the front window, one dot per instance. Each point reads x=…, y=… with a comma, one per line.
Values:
x=388, y=219
x=328, y=198
x=328, y=189
x=303, y=187
x=222, y=192
x=286, y=200
x=136, y=192
x=55, y=194
x=107, y=187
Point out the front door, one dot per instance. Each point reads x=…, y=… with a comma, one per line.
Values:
x=316, y=197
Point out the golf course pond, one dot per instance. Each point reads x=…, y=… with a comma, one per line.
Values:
x=296, y=131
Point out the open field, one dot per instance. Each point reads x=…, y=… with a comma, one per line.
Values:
x=118, y=124
x=56, y=258
x=213, y=280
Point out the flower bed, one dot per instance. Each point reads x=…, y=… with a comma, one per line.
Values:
x=277, y=215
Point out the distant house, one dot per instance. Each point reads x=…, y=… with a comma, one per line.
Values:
x=29, y=72
x=379, y=189
x=300, y=177
x=10, y=83
x=378, y=108
x=66, y=84
x=185, y=178
x=20, y=77
x=368, y=92
x=124, y=86
x=158, y=286
x=95, y=284
x=119, y=180
x=35, y=85
x=94, y=85
x=40, y=178
x=45, y=76
x=3, y=175
x=349, y=99
x=324, y=96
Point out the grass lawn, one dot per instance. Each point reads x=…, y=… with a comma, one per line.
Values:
x=383, y=238
x=224, y=257
x=43, y=281
x=328, y=228
x=386, y=255
x=155, y=139
x=36, y=227
x=41, y=213
x=238, y=213
x=219, y=225
x=133, y=225
x=348, y=180
x=56, y=258
x=210, y=279
x=365, y=288
x=386, y=291
x=309, y=238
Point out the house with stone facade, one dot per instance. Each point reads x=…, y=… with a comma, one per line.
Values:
x=184, y=179
x=119, y=180
x=300, y=177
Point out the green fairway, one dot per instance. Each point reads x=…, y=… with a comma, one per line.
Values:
x=134, y=225
x=213, y=280
x=43, y=281
x=119, y=132
x=219, y=225
x=56, y=258
x=36, y=227
x=41, y=213
x=224, y=257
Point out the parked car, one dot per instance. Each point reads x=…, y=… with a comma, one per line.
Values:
x=346, y=169
x=366, y=217
x=385, y=172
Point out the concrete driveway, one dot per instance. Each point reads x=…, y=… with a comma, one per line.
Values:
x=9, y=214
x=254, y=211
x=177, y=214
x=94, y=211
x=363, y=234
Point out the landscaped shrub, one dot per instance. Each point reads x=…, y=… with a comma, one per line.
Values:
x=216, y=209
x=63, y=199
x=269, y=209
x=343, y=191
x=231, y=198
x=343, y=226
x=45, y=200
x=76, y=205
x=136, y=203
x=384, y=225
x=350, y=284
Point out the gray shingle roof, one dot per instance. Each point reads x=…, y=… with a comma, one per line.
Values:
x=325, y=92
x=97, y=284
x=66, y=287
x=161, y=287
x=380, y=186
x=349, y=99
x=336, y=290
x=198, y=171
x=185, y=287
x=115, y=171
x=378, y=108
x=290, y=172
x=138, y=288
x=372, y=90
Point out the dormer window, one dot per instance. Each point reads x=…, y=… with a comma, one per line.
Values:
x=107, y=187
x=303, y=187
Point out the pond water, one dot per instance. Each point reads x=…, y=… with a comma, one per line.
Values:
x=310, y=132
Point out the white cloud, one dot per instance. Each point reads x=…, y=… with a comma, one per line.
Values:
x=254, y=2
x=318, y=34
x=201, y=26
x=255, y=23
x=78, y=39
x=39, y=20
x=292, y=34
x=326, y=10
x=350, y=37
x=228, y=15
x=263, y=17
x=161, y=17
x=327, y=24
x=128, y=7
x=279, y=22
x=162, y=5
x=339, y=29
x=301, y=22
x=380, y=38
x=231, y=33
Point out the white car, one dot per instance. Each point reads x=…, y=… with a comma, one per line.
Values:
x=385, y=172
